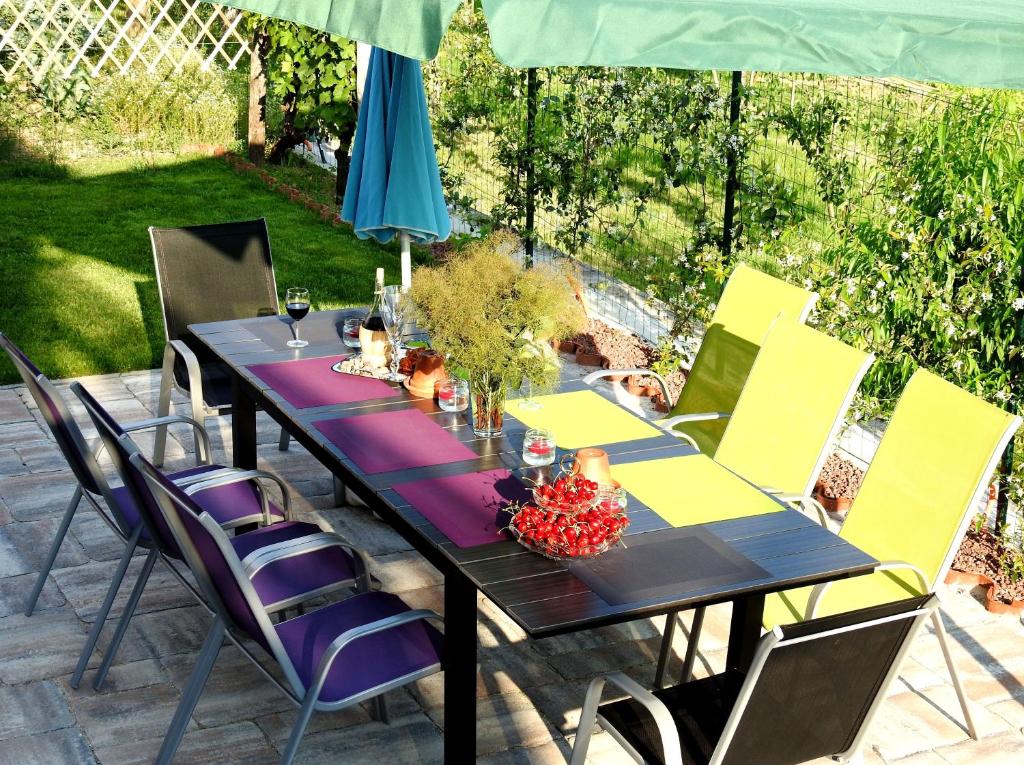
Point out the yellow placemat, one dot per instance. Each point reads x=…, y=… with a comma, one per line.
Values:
x=691, y=490
x=582, y=418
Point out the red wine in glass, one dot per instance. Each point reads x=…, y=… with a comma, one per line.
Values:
x=296, y=302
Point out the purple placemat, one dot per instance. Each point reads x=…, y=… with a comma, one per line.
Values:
x=306, y=383
x=466, y=508
x=400, y=440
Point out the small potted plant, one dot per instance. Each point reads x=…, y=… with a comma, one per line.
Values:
x=495, y=320
x=838, y=484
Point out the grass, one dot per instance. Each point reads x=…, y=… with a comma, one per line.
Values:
x=77, y=288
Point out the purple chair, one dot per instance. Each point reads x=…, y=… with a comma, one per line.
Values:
x=343, y=654
x=113, y=504
x=287, y=562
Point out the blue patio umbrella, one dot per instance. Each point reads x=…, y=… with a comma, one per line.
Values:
x=394, y=186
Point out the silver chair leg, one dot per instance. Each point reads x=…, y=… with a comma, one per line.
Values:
x=588, y=717
x=299, y=729
x=101, y=615
x=940, y=631
x=126, y=617
x=193, y=690
x=692, y=643
x=58, y=540
x=666, y=648
x=340, y=496
x=284, y=441
x=164, y=405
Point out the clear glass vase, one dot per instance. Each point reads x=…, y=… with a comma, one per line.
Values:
x=488, y=406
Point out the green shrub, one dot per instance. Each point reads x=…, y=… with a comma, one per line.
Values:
x=163, y=110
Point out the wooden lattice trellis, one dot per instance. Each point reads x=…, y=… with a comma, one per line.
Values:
x=62, y=37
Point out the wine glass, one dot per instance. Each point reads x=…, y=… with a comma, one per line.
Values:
x=296, y=302
x=396, y=311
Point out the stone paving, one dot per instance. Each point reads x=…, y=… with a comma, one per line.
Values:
x=529, y=692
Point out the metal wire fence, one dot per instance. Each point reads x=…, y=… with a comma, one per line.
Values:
x=628, y=171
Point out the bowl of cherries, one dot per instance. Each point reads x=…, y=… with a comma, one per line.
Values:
x=570, y=518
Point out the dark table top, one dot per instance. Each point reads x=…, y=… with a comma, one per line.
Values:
x=543, y=596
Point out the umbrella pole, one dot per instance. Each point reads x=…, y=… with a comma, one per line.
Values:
x=406, y=261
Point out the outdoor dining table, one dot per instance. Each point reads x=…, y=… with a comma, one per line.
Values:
x=753, y=546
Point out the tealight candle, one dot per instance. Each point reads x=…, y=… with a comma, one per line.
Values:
x=453, y=395
x=538, y=447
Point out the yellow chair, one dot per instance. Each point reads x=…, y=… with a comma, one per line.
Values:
x=750, y=302
x=784, y=423
x=936, y=457
x=791, y=408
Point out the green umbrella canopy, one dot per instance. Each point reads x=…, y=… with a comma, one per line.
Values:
x=966, y=43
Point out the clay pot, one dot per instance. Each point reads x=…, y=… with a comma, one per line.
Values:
x=428, y=374
x=567, y=346
x=607, y=364
x=585, y=359
x=644, y=391
x=991, y=604
x=840, y=505
x=593, y=463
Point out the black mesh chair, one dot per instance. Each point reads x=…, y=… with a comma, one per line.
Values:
x=208, y=273
x=811, y=691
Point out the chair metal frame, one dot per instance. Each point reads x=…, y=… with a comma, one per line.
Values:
x=769, y=642
x=687, y=365
x=224, y=627
x=109, y=510
x=802, y=501
x=818, y=592
x=124, y=446
x=176, y=348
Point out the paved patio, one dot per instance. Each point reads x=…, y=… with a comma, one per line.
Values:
x=530, y=692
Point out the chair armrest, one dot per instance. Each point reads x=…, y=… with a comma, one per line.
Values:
x=258, y=559
x=362, y=631
x=679, y=419
x=255, y=476
x=671, y=751
x=806, y=503
x=188, y=480
x=819, y=590
x=192, y=368
x=668, y=425
x=197, y=428
x=593, y=377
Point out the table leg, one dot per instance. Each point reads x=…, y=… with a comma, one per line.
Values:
x=744, y=631
x=460, y=646
x=243, y=427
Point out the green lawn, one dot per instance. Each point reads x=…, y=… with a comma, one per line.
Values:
x=77, y=289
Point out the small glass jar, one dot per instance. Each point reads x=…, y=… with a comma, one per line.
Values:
x=539, y=447
x=612, y=498
x=350, y=333
x=453, y=395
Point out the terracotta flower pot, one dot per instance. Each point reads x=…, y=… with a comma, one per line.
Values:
x=428, y=374
x=586, y=359
x=839, y=505
x=991, y=604
x=567, y=346
x=607, y=364
x=635, y=388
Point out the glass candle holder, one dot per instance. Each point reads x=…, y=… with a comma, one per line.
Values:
x=539, y=447
x=453, y=395
x=350, y=333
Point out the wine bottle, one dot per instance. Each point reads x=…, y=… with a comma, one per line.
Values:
x=373, y=337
